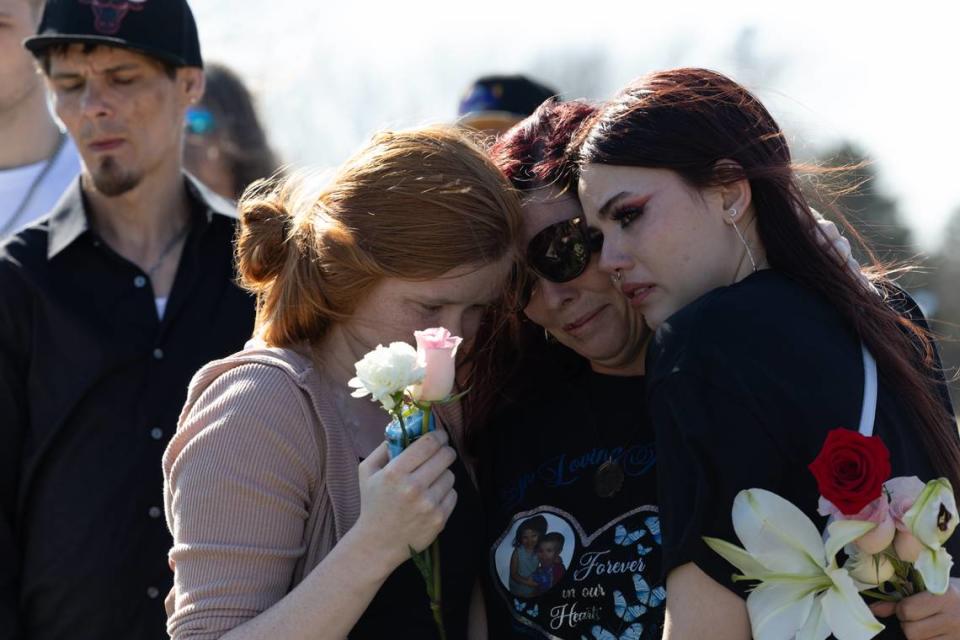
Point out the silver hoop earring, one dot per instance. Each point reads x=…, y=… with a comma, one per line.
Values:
x=617, y=275
x=733, y=214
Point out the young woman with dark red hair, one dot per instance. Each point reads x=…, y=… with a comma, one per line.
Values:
x=762, y=339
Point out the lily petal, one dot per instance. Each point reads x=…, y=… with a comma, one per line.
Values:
x=847, y=615
x=934, y=567
x=777, y=533
x=816, y=627
x=843, y=532
x=778, y=611
x=933, y=517
x=740, y=558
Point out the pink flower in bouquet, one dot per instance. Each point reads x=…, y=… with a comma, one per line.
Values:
x=437, y=351
x=904, y=492
x=878, y=511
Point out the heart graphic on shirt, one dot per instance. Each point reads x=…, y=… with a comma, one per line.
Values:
x=567, y=584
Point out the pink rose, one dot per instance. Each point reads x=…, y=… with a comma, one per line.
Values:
x=907, y=546
x=878, y=511
x=437, y=351
x=903, y=491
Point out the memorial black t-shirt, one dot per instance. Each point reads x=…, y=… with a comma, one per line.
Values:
x=563, y=561
x=743, y=386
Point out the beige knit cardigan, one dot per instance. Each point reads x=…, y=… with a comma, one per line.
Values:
x=260, y=481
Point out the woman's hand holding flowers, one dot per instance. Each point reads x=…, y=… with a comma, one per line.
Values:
x=405, y=502
x=926, y=616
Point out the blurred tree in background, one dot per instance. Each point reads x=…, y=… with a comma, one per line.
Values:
x=875, y=215
x=877, y=218
x=945, y=271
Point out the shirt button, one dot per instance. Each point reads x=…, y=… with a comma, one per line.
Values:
x=158, y=354
x=153, y=593
x=139, y=282
x=156, y=433
x=154, y=512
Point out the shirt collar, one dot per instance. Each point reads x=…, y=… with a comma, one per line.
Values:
x=68, y=220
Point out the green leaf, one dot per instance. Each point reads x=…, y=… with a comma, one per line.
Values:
x=422, y=562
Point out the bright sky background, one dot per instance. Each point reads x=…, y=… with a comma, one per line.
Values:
x=327, y=74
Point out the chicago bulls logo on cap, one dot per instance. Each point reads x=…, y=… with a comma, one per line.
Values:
x=109, y=14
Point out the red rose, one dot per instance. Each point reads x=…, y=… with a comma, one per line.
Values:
x=851, y=469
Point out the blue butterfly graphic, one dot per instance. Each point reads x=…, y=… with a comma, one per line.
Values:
x=624, y=538
x=633, y=632
x=626, y=612
x=522, y=607
x=646, y=595
x=653, y=523
x=642, y=550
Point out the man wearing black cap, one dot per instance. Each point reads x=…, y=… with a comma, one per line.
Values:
x=110, y=303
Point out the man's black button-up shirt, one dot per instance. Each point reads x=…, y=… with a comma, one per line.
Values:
x=91, y=384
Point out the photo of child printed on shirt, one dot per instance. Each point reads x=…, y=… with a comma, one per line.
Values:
x=525, y=560
x=550, y=570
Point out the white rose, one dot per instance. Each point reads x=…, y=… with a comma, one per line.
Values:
x=868, y=569
x=385, y=371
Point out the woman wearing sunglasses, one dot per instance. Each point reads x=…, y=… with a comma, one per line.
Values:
x=563, y=445
x=762, y=339
x=226, y=146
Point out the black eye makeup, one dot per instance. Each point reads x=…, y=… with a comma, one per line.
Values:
x=627, y=214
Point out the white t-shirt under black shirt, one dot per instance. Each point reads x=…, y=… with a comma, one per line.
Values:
x=15, y=186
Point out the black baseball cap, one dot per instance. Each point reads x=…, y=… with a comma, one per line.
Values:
x=499, y=101
x=163, y=29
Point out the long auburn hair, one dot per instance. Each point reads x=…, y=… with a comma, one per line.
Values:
x=686, y=120
x=411, y=205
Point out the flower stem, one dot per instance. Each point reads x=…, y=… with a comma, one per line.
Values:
x=403, y=430
x=425, y=409
x=436, y=601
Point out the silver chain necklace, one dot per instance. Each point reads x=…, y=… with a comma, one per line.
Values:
x=174, y=241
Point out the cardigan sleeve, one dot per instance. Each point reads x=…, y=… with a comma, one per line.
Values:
x=240, y=476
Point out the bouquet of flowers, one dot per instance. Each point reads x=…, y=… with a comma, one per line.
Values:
x=407, y=382
x=891, y=531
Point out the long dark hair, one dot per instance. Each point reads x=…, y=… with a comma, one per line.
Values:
x=687, y=120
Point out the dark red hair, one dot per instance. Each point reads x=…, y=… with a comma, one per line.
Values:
x=686, y=120
x=532, y=154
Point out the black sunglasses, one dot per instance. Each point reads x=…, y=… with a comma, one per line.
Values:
x=560, y=253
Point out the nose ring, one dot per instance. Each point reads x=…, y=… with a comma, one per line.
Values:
x=617, y=275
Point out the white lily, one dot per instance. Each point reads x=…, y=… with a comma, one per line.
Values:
x=802, y=592
x=932, y=520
